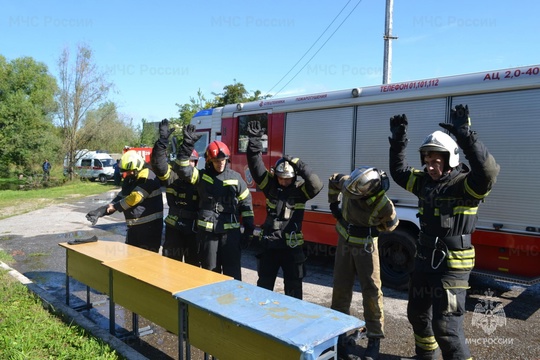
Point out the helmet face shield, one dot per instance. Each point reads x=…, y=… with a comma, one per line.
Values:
x=366, y=181
x=284, y=170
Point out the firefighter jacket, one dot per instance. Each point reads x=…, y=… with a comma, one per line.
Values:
x=140, y=198
x=361, y=218
x=224, y=198
x=284, y=206
x=447, y=208
x=182, y=197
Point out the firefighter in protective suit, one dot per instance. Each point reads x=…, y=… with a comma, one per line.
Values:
x=141, y=202
x=180, y=224
x=281, y=237
x=449, y=194
x=224, y=204
x=365, y=211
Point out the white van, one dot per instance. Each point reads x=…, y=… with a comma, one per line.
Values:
x=92, y=165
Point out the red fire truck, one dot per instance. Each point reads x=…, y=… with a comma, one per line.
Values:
x=145, y=152
x=339, y=130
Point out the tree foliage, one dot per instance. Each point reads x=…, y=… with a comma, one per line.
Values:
x=235, y=93
x=195, y=105
x=232, y=94
x=83, y=87
x=106, y=129
x=27, y=105
x=31, y=100
x=149, y=134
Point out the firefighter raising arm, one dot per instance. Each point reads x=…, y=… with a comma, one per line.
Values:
x=182, y=165
x=282, y=237
x=449, y=195
x=484, y=169
x=254, y=152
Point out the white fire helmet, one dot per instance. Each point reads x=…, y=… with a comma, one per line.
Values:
x=439, y=141
x=366, y=181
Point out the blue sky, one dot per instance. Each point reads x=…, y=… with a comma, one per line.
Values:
x=160, y=53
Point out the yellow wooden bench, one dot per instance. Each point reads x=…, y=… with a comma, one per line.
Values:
x=83, y=263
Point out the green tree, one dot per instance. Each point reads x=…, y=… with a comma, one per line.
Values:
x=187, y=111
x=106, y=129
x=83, y=87
x=236, y=93
x=232, y=94
x=149, y=133
x=27, y=105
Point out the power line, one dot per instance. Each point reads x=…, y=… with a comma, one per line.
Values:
x=311, y=47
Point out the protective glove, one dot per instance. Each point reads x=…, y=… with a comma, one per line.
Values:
x=83, y=241
x=246, y=240
x=460, y=122
x=297, y=164
x=336, y=211
x=190, y=135
x=94, y=215
x=398, y=127
x=164, y=131
x=255, y=134
x=254, y=129
x=190, y=138
x=247, y=235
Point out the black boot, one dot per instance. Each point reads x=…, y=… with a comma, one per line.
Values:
x=426, y=355
x=346, y=348
x=372, y=350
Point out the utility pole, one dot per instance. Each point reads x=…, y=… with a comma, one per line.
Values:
x=387, y=61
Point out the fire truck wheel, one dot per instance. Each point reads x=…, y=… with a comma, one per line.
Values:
x=396, y=253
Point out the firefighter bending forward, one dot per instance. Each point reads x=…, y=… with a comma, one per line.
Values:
x=448, y=197
x=281, y=237
x=224, y=202
x=141, y=202
x=180, y=224
x=365, y=211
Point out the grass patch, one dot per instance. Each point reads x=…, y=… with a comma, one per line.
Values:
x=28, y=331
x=17, y=202
x=6, y=258
x=39, y=254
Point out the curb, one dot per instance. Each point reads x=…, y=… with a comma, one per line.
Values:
x=68, y=315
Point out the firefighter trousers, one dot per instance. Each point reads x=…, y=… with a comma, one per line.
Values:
x=351, y=261
x=291, y=261
x=181, y=246
x=221, y=252
x=436, y=310
x=146, y=236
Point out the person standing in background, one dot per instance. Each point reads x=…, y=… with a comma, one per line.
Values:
x=46, y=170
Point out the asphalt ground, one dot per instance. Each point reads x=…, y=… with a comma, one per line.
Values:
x=502, y=319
